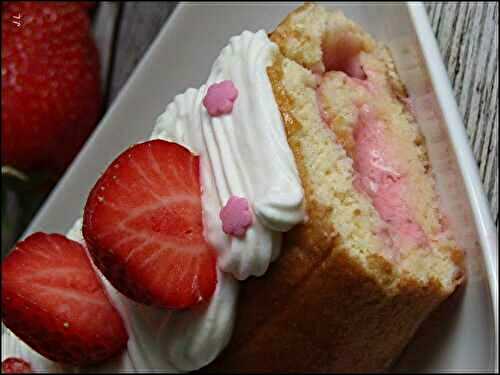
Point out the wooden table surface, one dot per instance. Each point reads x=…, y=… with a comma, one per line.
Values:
x=467, y=34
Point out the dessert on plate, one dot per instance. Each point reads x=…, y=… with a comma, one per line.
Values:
x=282, y=217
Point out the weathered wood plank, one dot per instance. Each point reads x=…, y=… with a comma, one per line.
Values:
x=104, y=28
x=467, y=34
x=139, y=25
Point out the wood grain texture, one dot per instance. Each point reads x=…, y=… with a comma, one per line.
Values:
x=139, y=25
x=467, y=34
x=104, y=28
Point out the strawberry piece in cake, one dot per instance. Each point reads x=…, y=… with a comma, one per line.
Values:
x=14, y=365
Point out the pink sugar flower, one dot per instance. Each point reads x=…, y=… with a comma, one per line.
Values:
x=236, y=216
x=220, y=98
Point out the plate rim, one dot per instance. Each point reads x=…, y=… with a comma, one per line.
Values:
x=461, y=148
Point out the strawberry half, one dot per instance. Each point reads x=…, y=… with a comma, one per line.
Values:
x=14, y=365
x=143, y=226
x=53, y=300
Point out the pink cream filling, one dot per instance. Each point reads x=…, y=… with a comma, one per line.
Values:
x=379, y=178
x=375, y=162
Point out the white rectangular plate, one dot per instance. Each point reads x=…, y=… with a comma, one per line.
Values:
x=463, y=334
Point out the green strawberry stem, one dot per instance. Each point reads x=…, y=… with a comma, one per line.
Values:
x=10, y=213
x=22, y=195
x=13, y=172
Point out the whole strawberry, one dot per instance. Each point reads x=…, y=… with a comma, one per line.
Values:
x=51, y=95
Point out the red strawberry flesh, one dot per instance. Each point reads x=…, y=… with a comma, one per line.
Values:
x=14, y=365
x=53, y=300
x=51, y=88
x=143, y=225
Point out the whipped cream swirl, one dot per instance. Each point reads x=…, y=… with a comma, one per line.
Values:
x=244, y=153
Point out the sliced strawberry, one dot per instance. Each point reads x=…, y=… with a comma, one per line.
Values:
x=14, y=365
x=53, y=300
x=143, y=225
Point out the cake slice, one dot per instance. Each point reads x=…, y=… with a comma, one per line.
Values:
x=374, y=257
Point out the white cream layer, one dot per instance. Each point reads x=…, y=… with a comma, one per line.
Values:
x=244, y=153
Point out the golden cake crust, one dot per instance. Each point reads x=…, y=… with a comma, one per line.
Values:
x=319, y=308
